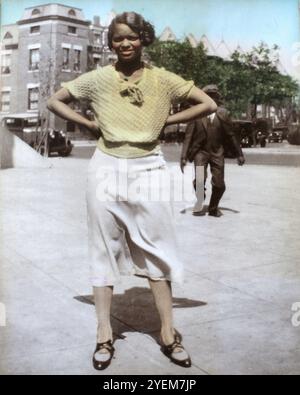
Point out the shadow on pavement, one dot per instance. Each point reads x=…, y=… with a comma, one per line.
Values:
x=205, y=209
x=229, y=209
x=135, y=311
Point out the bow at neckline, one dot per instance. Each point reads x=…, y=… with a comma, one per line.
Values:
x=133, y=92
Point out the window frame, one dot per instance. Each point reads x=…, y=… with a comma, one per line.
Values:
x=77, y=60
x=66, y=66
x=35, y=32
x=36, y=11
x=5, y=92
x=30, y=102
x=31, y=63
x=6, y=66
x=72, y=32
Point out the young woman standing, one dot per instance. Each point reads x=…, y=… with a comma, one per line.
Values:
x=131, y=102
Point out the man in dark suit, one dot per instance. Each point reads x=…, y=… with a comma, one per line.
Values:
x=204, y=144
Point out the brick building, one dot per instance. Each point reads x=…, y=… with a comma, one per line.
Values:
x=51, y=43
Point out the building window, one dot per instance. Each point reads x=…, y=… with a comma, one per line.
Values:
x=96, y=62
x=77, y=60
x=105, y=38
x=36, y=11
x=71, y=30
x=34, y=29
x=33, y=98
x=34, y=59
x=66, y=59
x=72, y=13
x=5, y=64
x=5, y=101
x=98, y=40
x=8, y=35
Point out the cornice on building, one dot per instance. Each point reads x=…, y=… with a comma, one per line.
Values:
x=55, y=18
x=47, y=4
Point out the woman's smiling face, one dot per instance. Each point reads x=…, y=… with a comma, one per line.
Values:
x=126, y=43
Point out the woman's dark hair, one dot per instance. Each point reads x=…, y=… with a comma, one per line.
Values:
x=137, y=24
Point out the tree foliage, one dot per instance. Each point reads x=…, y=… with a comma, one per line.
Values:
x=248, y=78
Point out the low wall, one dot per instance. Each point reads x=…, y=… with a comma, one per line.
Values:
x=16, y=153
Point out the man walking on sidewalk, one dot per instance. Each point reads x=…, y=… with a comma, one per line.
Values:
x=204, y=144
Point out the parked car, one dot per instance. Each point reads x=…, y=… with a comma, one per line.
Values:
x=173, y=133
x=59, y=143
x=276, y=136
x=245, y=132
x=262, y=127
x=284, y=129
x=28, y=128
x=261, y=139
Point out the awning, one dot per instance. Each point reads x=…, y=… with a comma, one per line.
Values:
x=31, y=130
x=24, y=115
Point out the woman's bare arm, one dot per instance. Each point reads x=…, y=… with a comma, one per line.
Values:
x=203, y=105
x=58, y=104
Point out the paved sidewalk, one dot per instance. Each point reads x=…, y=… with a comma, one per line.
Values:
x=242, y=277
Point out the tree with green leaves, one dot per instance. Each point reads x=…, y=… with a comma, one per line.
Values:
x=246, y=80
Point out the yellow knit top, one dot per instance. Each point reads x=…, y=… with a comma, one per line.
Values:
x=130, y=115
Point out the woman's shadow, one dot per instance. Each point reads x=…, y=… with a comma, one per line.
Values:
x=135, y=311
x=205, y=209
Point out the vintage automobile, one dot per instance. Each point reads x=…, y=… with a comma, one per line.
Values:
x=261, y=138
x=58, y=142
x=173, y=133
x=262, y=128
x=28, y=128
x=244, y=132
x=276, y=136
x=251, y=133
x=281, y=128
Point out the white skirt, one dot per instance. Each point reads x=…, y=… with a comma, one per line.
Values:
x=130, y=222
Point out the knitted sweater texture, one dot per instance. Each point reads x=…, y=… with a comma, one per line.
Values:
x=130, y=115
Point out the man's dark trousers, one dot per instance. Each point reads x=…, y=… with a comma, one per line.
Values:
x=216, y=162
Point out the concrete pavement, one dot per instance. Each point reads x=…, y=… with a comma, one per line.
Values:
x=235, y=311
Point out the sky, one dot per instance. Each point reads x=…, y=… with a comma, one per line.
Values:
x=243, y=22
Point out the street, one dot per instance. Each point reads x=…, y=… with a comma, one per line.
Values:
x=277, y=154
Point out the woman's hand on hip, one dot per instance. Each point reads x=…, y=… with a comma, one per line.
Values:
x=94, y=128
